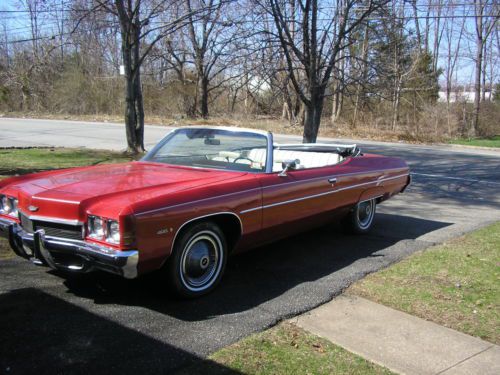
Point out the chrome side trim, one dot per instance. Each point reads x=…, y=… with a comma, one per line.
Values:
x=326, y=145
x=251, y=209
x=249, y=190
x=202, y=217
x=377, y=182
x=324, y=177
x=197, y=201
x=226, y=128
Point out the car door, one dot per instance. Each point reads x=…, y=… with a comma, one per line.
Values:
x=298, y=200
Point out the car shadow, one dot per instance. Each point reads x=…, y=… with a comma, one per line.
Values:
x=265, y=273
x=43, y=334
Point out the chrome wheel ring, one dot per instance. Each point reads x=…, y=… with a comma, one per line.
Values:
x=201, y=261
x=365, y=211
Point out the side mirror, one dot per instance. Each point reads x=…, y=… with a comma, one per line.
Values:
x=288, y=164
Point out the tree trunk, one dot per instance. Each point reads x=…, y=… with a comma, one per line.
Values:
x=204, y=97
x=338, y=101
x=417, y=25
x=395, y=103
x=362, y=77
x=313, y=111
x=288, y=112
x=483, y=73
x=479, y=60
x=134, y=108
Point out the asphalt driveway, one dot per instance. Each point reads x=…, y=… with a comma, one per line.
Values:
x=98, y=323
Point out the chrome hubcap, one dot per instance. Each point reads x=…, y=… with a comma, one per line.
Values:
x=366, y=211
x=201, y=261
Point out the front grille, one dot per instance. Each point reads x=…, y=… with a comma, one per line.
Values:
x=72, y=232
x=26, y=223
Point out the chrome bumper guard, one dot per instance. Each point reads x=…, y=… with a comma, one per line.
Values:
x=69, y=255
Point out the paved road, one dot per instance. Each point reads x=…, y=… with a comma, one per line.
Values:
x=99, y=323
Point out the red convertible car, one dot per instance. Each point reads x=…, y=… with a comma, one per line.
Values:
x=199, y=195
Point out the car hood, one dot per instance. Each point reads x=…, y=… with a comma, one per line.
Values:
x=55, y=193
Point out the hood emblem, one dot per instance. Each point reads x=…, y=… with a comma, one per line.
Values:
x=33, y=208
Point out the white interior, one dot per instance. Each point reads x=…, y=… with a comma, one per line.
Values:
x=306, y=159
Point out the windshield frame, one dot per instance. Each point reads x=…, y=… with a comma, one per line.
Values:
x=268, y=135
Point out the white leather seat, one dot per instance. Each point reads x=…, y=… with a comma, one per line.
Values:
x=307, y=159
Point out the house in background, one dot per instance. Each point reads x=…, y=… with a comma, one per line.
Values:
x=461, y=96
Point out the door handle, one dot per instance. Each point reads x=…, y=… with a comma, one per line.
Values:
x=332, y=180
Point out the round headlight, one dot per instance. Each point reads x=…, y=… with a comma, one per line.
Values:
x=113, y=232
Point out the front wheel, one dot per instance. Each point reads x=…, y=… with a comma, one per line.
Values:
x=360, y=219
x=198, y=260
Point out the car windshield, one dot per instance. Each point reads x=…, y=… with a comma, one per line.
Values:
x=212, y=148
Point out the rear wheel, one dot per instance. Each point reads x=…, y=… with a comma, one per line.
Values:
x=198, y=260
x=360, y=219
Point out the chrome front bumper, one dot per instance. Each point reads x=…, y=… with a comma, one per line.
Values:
x=66, y=254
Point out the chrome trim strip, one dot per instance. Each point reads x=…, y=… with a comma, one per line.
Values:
x=249, y=190
x=251, y=209
x=377, y=182
x=226, y=128
x=325, y=177
x=326, y=145
x=298, y=199
x=197, y=201
x=201, y=217
x=52, y=219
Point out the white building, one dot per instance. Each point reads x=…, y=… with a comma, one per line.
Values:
x=461, y=96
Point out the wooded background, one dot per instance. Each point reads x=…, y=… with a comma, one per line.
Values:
x=343, y=64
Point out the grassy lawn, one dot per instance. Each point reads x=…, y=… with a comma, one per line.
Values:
x=482, y=142
x=5, y=251
x=456, y=284
x=19, y=161
x=285, y=349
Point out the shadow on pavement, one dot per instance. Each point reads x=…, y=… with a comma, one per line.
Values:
x=260, y=275
x=42, y=334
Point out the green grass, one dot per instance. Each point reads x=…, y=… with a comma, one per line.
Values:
x=5, y=251
x=20, y=161
x=284, y=349
x=456, y=284
x=482, y=142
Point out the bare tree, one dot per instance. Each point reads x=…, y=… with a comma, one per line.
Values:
x=487, y=13
x=311, y=55
x=453, y=44
x=210, y=37
x=138, y=37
